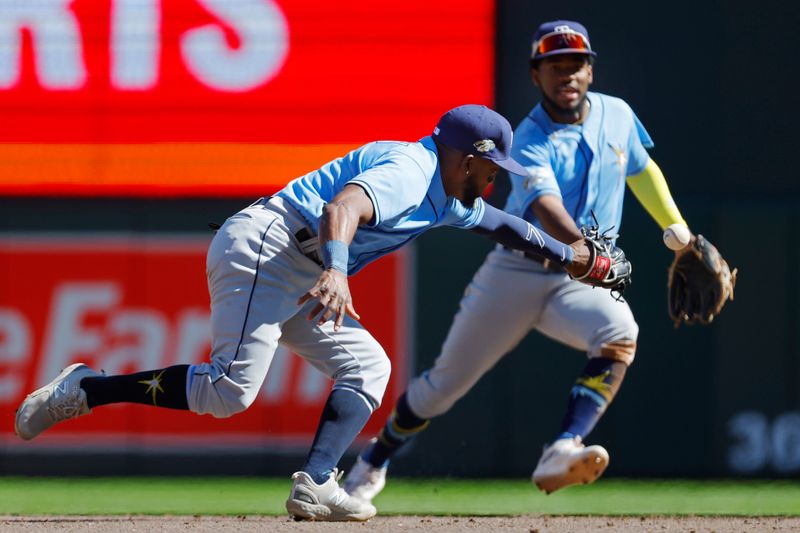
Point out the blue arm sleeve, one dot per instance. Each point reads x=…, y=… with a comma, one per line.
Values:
x=516, y=233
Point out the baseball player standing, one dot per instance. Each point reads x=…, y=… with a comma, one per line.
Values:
x=278, y=272
x=580, y=148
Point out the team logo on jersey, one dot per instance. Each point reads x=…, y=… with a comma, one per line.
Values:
x=533, y=179
x=622, y=159
x=486, y=145
x=153, y=385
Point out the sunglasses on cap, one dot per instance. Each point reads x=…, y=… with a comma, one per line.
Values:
x=552, y=42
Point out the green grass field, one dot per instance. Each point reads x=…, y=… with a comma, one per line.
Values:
x=250, y=496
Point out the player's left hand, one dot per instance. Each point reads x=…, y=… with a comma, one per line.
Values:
x=333, y=292
x=700, y=283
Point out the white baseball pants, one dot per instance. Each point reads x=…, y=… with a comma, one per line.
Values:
x=256, y=273
x=509, y=296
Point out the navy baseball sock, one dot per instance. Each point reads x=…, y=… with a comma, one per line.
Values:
x=590, y=396
x=343, y=417
x=162, y=388
x=401, y=427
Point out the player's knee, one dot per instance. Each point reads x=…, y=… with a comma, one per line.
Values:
x=219, y=396
x=623, y=350
x=380, y=367
x=427, y=400
x=379, y=373
x=227, y=405
x=616, y=342
x=239, y=403
x=383, y=371
x=370, y=376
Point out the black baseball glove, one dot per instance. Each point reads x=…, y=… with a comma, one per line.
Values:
x=610, y=268
x=700, y=283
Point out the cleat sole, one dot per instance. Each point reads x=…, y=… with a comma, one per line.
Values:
x=584, y=471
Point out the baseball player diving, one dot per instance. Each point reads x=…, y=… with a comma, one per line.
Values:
x=579, y=148
x=278, y=273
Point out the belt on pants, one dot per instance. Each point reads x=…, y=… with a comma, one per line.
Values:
x=552, y=266
x=309, y=245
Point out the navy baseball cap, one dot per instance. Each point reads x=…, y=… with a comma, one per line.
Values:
x=476, y=129
x=560, y=37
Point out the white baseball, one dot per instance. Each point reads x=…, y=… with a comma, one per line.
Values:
x=677, y=236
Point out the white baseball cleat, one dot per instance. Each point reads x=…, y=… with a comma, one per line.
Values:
x=365, y=481
x=61, y=399
x=326, y=502
x=568, y=462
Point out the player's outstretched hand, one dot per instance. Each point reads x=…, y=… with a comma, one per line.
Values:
x=598, y=262
x=333, y=293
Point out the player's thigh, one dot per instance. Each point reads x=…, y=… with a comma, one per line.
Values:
x=255, y=276
x=350, y=356
x=586, y=318
x=499, y=307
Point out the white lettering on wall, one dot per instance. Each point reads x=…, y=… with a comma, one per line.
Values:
x=89, y=321
x=260, y=28
x=135, y=43
x=68, y=336
x=263, y=35
x=141, y=339
x=15, y=348
x=194, y=337
x=56, y=43
x=276, y=384
x=312, y=385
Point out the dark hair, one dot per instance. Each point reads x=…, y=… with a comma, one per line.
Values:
x=534, y=63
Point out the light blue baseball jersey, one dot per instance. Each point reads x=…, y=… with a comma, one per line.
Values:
x=584, y=164
x=404, y=184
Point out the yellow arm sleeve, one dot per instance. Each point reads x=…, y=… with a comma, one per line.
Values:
x=650, y=188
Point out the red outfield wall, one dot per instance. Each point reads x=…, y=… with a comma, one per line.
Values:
x=126, y=304
x=221, y=97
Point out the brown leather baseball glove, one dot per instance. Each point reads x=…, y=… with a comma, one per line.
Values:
x=699, y=283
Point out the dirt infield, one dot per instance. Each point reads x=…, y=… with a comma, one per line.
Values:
x=524, y=524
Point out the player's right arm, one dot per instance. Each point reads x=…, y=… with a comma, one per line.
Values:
x=549, y=210
x=540, y=191
x=337, y=227
x=392, y=183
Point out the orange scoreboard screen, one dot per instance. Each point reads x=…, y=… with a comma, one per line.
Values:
x=223, y=97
